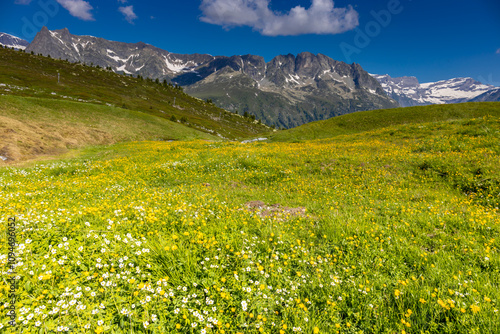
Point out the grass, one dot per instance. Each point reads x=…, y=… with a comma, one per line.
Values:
x=389, y=230
x=376, y=119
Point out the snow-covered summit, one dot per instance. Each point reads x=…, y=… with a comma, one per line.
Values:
x=13, y=41
x=409, y=92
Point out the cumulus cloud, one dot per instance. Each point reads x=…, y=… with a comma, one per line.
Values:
x=22, y=2
x=78, y=8
x=128, y=12
x=320, y=18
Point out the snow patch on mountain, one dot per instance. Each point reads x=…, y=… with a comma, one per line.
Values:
x=76, y=48
x=177, y=65
x=11, y=41
x=56, y=35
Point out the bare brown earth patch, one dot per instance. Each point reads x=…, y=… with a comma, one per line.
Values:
x=264, y=210
x=27, y=140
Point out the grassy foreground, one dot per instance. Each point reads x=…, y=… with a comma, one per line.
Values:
x=389, y=231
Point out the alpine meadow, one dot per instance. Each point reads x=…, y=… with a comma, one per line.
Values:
x=150, y=192
x=390, y=230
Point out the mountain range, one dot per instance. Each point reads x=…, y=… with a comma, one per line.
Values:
x=287, y=91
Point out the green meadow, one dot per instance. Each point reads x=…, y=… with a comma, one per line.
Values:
x=380, y=227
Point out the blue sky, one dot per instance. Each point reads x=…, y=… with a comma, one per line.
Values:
x=432, y=40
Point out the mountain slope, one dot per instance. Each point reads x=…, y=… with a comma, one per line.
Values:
x=409, y=92
x=377, y=119
x=24, y=74
x=129, y=58
x=10, y=41
x=287, y=91
x=491, y=95
x=33, y=127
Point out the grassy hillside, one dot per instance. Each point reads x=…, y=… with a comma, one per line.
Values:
x=31, y=127
x=394, y=230
x=375, y=119
x=283, y=107
x=27, y=75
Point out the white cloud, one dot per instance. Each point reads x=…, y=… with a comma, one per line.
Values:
x=22, y=2
x=78, y=8
x=128, y=12
x=122, y=1
x=320, y=18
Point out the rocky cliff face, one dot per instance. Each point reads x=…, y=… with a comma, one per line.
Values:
x=286, y=91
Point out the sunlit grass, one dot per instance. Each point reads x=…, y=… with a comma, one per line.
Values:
x=400, y=234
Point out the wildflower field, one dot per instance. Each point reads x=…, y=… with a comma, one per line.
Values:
x=393, y=230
